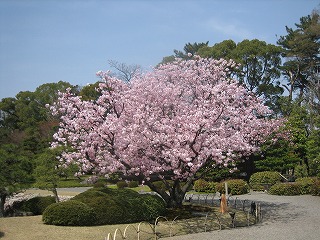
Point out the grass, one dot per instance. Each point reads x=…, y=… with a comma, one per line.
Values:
x=32, y=227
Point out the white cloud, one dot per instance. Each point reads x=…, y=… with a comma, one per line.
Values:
x=229, y=30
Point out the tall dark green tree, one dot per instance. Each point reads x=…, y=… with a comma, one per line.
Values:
x=302, y=46
x=259, y=66
x=15, y=172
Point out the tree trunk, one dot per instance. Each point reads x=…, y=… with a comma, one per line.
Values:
x=55, y=193
x=2, y=202
x=175, y=196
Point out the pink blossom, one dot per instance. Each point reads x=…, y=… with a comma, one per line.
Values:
x=174, y=119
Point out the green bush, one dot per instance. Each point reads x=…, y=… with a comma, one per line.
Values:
x=201, y=185
x=113, y=206
x=133, y=184
x=35, y=205
x=69, y=213
x=306, y=184
x=286, y=189
x=99, y=184
x=122, y=184
x=106, y=209
x=161, y=185
x=235, y=187
x=154, y=206
x=315, y=189
x=260, y=180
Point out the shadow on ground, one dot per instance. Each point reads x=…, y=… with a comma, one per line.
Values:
x=1, y=234
x=279, y=212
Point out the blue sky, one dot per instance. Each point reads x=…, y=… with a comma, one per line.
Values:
x=44, y=41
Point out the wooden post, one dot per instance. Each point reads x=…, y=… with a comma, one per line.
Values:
x=223, y=204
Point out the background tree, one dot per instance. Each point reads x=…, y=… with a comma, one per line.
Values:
x=166, y=125
x=259, y=69
x=15, y=172
x=302, y=55
x=48, y=171
x=125, y=72
x=189, y=50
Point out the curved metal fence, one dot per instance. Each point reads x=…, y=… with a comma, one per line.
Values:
x=239, y=210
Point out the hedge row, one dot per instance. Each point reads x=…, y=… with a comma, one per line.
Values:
x=235, y=186
x=105, y=206
x=306, y=185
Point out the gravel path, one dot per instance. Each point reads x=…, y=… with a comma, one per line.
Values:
x=284, y=218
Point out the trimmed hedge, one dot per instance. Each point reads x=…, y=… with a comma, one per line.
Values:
x=257, y=180
x=161, y=185
x=69, y=213
x=315, y=189
x=122, y=184
x=306, y=184
x=133, y=184
x=36, y=205
x=286, y=189
x=202, y=185
x=235, y=187
x=113, y=206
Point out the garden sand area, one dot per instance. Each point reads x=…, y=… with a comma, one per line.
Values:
x=284, y=217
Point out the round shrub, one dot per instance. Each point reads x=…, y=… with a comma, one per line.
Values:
x=201, y=185
x=286, y=189
x=106, y=209
x=36, y=205
x=263, y=180
x=69, y=213
x=122, y=184
x=306, y=184
x=315, y=189
x=99, y=185
x=133, y=184
x=161, y=185
x=112, y=206
x=235, y=187
x=154, y=206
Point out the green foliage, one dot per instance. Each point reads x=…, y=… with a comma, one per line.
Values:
x=257, y=180
x=133, y=184
x=315, y=189
x=69, y=213
x=306, y=184
x=15, y=172
x=235, y=187
x=162, y=186
x=201, y=185
x=286, y=189
x=122, y=184
x=112, y=206
x=36, y=205
x=154, y=205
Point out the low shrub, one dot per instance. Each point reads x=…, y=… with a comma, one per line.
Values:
x=235, y=187
x=161, y=185
x=69, y=213
x=99, y=184
x=258, y=181
x=113, y=206
x=35, y=205
x=122, y=184
x=315, y=189
x=133, y=184
x=201, y=185
x=306, y=184
x=286, y=189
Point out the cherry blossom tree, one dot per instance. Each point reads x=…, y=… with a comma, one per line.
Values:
x=165, y=124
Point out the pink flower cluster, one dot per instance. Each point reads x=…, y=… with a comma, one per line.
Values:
x=170, y=121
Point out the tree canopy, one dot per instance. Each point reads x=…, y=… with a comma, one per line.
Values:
x=165, y=124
